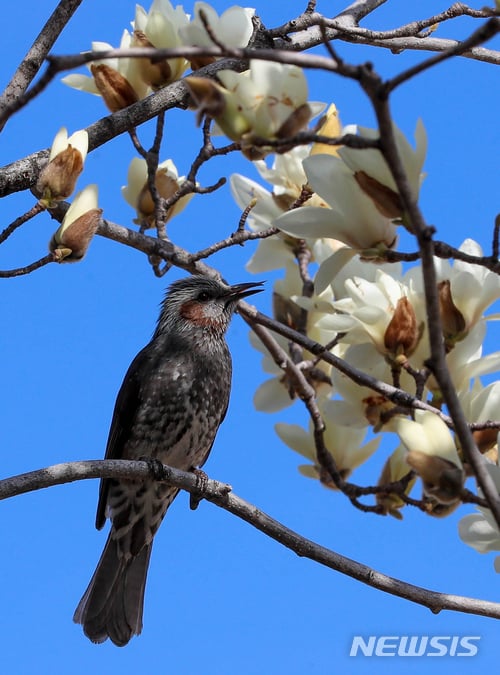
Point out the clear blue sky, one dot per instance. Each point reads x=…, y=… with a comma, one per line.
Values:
x=221, y=597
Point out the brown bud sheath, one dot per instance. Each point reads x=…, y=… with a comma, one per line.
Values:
x=387, y=202
x=70, y=243
x=116, y=91
x=58, y=178
x=451, y=317
x=402, y=334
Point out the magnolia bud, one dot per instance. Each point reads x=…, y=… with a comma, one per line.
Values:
x=402, y=333
x=71, y=241
x=116, y=90
x=387, y=202
x=155, y=73
x=58, y=178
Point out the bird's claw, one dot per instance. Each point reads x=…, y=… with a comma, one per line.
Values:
x=155, y=467
x=201, y=484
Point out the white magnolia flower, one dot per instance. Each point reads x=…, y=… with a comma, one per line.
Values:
x=268, y=101
x=277, y=393
x=371, y=162
x=345, y=444
x=360, y=406
x=427, y=434
x=268, y=93
x=473, y=287
x=385, y=311
x=160, y=27
x=125, y=68
x=466, y=361
x=287, y=177
x=272, y=395
x=480, y=530
x=433, y=455
x=352, y=217
x=137, y=193
x=233, y=28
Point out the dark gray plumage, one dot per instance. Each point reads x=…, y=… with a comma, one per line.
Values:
x=171, y=403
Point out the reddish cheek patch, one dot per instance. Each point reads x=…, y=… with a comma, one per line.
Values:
x=193, y=311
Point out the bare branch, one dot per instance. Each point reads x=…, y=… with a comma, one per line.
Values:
x=220, y=494
x=36, y=55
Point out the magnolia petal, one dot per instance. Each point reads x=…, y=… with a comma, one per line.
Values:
x=136, y=178
x=475, y=531
x=270, y=254
x=271, y=396
x=84, y=201
x=330, y=267
x=307, y=221
x=81, y=82
x=308, y=470
x=296, y=438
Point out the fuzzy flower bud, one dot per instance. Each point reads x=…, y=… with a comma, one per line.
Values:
x=58, y=178
x=71, y=241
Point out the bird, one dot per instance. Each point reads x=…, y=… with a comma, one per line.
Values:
x=169, y=408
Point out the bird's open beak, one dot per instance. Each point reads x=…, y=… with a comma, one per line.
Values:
x=239, y=291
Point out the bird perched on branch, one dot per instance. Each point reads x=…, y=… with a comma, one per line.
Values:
x=171, y=403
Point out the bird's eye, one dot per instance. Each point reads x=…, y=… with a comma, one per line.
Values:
x=203, y=296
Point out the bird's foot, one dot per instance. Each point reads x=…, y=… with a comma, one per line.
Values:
x=201, y=483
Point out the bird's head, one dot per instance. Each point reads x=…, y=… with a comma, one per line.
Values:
x=199, y=304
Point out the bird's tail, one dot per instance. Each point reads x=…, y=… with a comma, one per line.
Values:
x=112, y=604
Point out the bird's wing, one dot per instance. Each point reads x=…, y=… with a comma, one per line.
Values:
x=127, y=403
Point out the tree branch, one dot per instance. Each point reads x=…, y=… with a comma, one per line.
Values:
x=36, y=55
x=220, y=494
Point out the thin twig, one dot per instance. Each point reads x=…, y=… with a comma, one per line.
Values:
x=20, y=271
x=34, y=211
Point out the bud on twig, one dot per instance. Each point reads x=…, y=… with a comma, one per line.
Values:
x=58, y=178
x=71, y=241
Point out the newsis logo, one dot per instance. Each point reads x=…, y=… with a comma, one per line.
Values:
x=415, y=645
